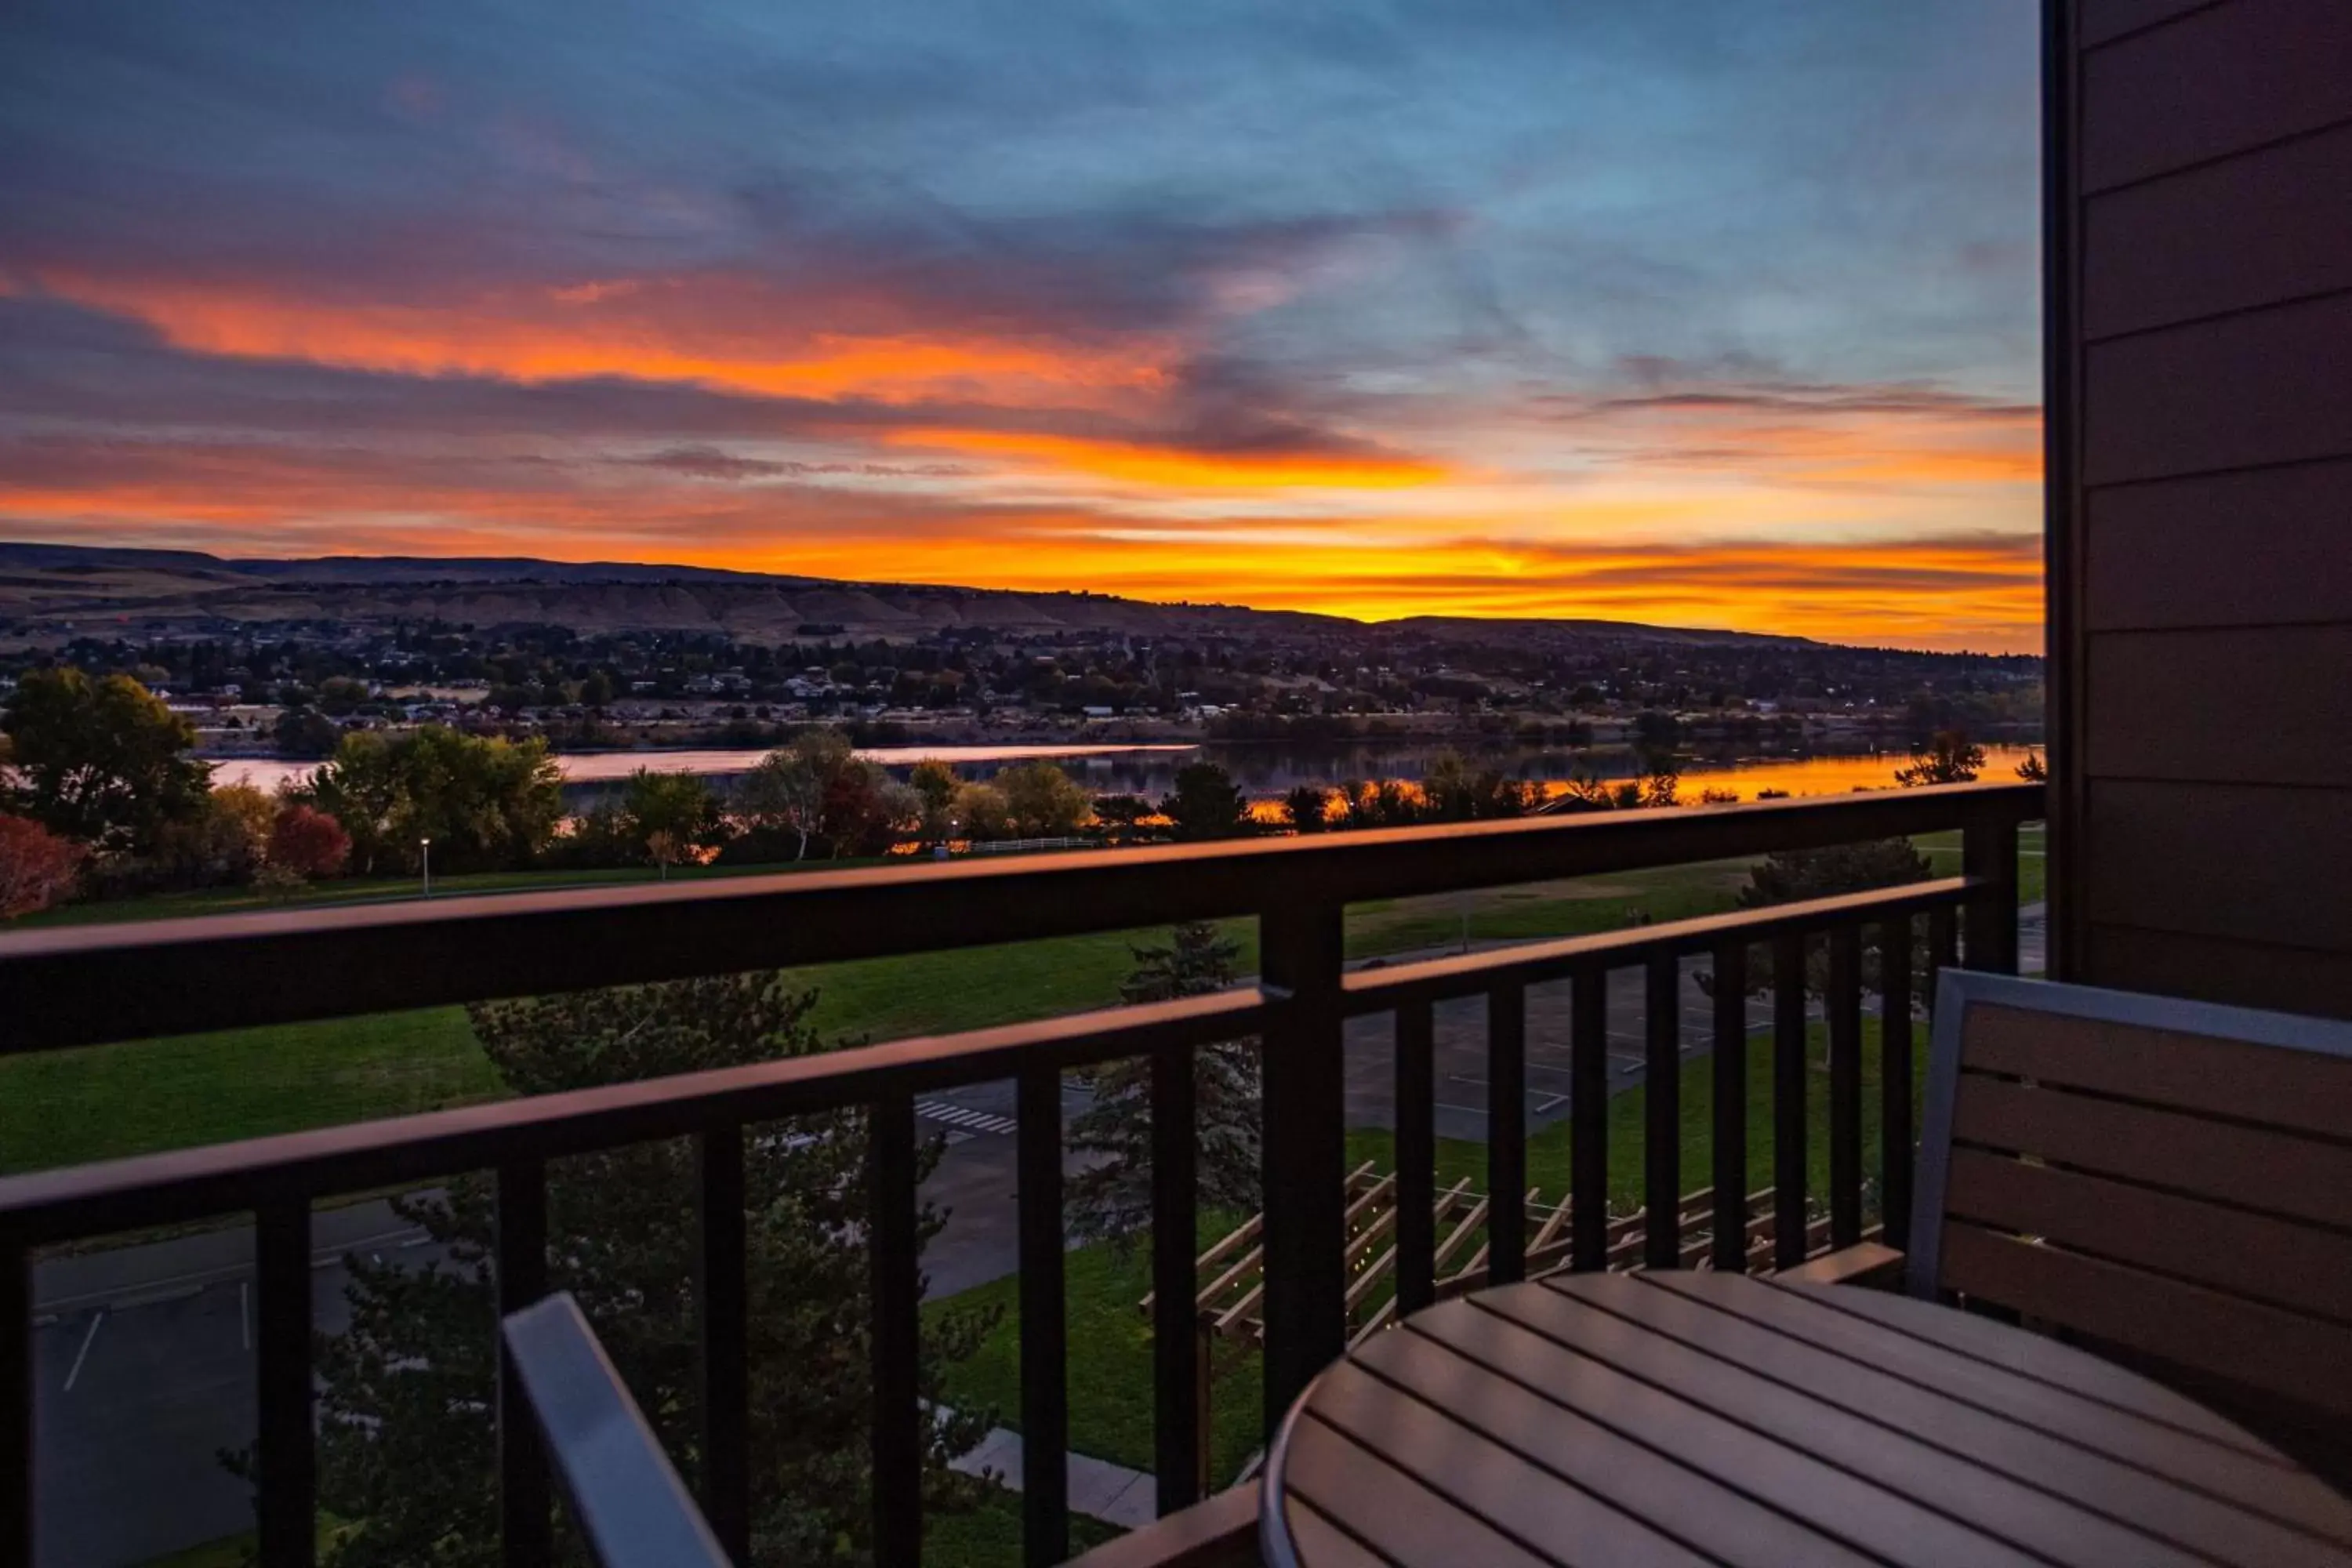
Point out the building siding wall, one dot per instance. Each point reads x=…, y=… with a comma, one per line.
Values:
x=2204, y=483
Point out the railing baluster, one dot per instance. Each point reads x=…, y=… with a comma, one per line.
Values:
x=1178, y=1444
x=1846, y=1085
x=1988, y=851
x=1943, y=945
x=1662, y=1111
x=723, y=1306
x=1045, y=1332
x=897, y=1437
x=1506, y=1135
x=1895, y=1079
x=1416, y=1157
x=1306, y=1154
x=15, y=1404
x=1729, y=1154
x=526, y=1529
x=1788, y=1100
x=287, y=1508
x=1588, y=1113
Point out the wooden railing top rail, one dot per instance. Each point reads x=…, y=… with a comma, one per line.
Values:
x=1532, y=962
x=84, y=984
x=42, y=1206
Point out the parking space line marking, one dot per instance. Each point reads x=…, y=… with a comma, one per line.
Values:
x=83, y=1355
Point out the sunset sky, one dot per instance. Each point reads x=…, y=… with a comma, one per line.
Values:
x=1714, y=312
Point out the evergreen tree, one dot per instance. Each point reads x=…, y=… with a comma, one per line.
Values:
x=1112, y=1198
x=1206, y=802
x=1949, y=757
x=406, y=1446
x=1791, y=876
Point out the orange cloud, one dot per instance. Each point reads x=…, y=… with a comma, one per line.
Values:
x=1182, y=469
x=731, y=334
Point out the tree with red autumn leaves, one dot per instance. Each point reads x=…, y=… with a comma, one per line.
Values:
x=307, y=842
x=37, y=867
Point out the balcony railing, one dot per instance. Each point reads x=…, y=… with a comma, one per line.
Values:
x=82, y=985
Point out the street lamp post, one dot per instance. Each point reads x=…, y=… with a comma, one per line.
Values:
x=425, y=845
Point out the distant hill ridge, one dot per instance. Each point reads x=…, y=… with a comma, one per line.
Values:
x=52, y=586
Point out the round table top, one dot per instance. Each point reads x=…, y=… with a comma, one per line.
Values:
x=1700, y=1417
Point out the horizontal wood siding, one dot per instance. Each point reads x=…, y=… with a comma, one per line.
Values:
x=2260, y=547
x=2103, y=21
x=2256, y=698
x=2226, y=237
x=2214, y=82
x=2266, y=387
x=2208, y=201
x=2251, y=862
x=2250, y=973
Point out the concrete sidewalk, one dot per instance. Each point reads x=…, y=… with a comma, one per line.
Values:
x=1098, y=1489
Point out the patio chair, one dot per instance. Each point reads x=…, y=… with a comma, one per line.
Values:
x=625, y=1495
x=2167, y=1183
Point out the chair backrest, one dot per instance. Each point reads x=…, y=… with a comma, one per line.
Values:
x=624, y=1493
x=2169, y=1179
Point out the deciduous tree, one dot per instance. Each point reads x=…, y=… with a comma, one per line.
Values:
x=102, y=762
x=1042, y=801
x=486, y=804
x=307, y=842
x=37, y=867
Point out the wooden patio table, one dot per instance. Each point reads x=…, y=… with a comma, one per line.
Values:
x=1697, y=1417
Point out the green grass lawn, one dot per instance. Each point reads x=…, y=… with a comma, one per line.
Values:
x=106, y=1101
x=99, y=1103
x=1110, y=1395
x=367, y=889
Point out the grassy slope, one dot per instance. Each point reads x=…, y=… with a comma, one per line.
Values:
x=105, y=1101
x=1109, y=1341
x=111, y=1100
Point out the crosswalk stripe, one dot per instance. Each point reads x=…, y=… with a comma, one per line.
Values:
x=963, y=1116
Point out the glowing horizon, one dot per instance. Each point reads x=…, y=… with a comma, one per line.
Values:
x=1414, y=317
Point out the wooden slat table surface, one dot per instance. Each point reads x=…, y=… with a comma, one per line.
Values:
x=1712, y=1418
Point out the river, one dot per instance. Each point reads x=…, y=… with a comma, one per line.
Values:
x=1263, y=769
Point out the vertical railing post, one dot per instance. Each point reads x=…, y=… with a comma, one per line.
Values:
x=526, y=1494
x=1045, y=1328
x=1588, y=1114
x=1894, y=1079
x=723, y=1307
x=1989, y=853
x=16, y=1403
x=1846, y=1085
x=1416, y=1157
x=1662, y=1113
x=1177, y=1362
x=1729, y=1154
x=1305, y=1153
x=287, y=1506
x=892, y=1241
x=1788, y=1042
x=1506, y=1135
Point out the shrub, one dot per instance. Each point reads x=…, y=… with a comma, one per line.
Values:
x=307, y=843
x=37, y=867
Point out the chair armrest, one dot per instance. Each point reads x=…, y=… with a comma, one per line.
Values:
x=1864, y=1263
x=1219, y=1532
